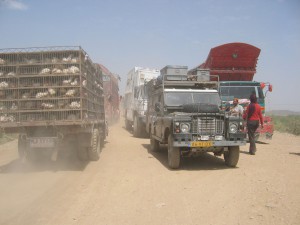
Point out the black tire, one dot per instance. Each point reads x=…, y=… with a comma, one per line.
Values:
x=95, y=148
x=231, y=156
x=154, y=144
x=173, y=154
x=136, y=127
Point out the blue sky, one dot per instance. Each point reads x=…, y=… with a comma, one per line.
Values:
x=121, y=34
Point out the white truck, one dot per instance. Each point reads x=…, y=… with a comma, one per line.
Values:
x=135, y=99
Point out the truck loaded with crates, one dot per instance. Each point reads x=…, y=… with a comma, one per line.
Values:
x=184, y=113
x=53, y=98
x=235, y=64
x=135, y=99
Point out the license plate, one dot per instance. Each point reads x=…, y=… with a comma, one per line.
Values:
x=201, y=144
x=42, y=142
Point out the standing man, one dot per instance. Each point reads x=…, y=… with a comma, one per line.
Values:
x=237, y=109
x=253, y=116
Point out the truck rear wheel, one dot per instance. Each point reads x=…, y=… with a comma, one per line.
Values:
x=154, y=144
x=95, y=148
x=173, y=154
x=231, y=156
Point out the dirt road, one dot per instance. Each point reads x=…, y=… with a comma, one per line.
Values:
x=130, y=185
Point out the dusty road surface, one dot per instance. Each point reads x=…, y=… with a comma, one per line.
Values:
x=130, y=185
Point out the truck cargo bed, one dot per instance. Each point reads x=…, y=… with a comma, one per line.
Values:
x=49, y=86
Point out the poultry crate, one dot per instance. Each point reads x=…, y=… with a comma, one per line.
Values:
x=49, y=85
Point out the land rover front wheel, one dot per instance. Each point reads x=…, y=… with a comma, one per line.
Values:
x=231, y=156
x=173, y=154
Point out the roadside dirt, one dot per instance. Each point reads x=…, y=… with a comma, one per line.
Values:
x=131, y=185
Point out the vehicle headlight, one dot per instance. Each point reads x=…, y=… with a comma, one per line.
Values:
x=233, y=127
x=185, y=127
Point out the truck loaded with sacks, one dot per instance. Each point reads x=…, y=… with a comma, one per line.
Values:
x=184, y=112
x=53, y=98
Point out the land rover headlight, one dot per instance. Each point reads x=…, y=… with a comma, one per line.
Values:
x=185, y=127
x=233, y=127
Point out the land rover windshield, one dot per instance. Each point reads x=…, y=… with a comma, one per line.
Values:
x=179, y=98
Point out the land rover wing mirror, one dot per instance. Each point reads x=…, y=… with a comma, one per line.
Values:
x=157, y=107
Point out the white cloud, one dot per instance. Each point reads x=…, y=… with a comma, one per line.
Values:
x=13, y=4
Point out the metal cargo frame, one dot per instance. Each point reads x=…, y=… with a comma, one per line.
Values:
x=49, y=86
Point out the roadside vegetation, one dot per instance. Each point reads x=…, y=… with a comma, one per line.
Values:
x=287, y=124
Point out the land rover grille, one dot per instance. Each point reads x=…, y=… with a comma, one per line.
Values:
x=208, y=126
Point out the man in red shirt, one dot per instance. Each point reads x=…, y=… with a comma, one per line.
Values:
x=253, y=116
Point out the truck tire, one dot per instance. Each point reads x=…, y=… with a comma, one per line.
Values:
x=154, y=144
x=173, y=154
x=231, y=156
x=95, y=149
x=136, y=127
